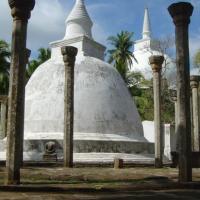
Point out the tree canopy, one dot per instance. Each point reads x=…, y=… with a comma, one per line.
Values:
x=121, y=55
x=196, y=59
x=141, y=90
x=43, y=55
x=5, y=53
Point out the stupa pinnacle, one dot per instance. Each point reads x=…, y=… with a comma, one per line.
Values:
x=146, y=47
x=146, y=25
x=78, y=23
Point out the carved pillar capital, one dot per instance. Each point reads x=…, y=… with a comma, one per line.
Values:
x=21, y=9
x=156, y=63
x=181, y=12
x=28, y=54
x=69, y=54
x=194, y=81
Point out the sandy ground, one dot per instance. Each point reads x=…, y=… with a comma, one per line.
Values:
x=99, y=183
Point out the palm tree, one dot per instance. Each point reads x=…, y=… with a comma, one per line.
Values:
x=44, y=55
x=4, y=67
x=32, y=66
x=121, y=55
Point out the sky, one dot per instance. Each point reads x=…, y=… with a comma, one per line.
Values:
x=47, y=21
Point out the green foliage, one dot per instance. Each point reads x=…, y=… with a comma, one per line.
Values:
x=167, y=106
x=4, y=67
x=121, y=55
x=5, y=53
x=135, y=80
x=145, y=103
x=196, y=59
x=44, y=54
x=141, y=89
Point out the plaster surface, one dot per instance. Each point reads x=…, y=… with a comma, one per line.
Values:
x=102, y=101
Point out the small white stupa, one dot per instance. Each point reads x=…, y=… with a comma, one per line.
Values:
x=106, y=120
x=144, y=48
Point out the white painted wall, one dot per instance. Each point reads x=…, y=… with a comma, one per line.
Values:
x=169, y=136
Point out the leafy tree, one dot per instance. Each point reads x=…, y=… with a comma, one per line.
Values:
x=135, y=81
x=121, y=55
x=4, y=67
x=167, y=106
x=196, y=59
x=44, y=55
x=145, y=102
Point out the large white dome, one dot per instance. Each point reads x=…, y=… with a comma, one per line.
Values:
x=102, y=102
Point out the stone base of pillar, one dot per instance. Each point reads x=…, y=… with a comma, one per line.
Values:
x=158, y=163
x=50, y=157
x=118, y=163
x=195, y=159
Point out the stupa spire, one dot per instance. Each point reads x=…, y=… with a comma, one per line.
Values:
x=78, y=23
x=146, y=33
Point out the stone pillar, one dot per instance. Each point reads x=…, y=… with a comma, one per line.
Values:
x=181, y=12
x=174, y=100
x=20, y=10
x=191, y=120
x=69, y=56
x=3, y=116
x=156, y=64
x=194, y=83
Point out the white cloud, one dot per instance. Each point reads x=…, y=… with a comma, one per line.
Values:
x=195, y=3
x=5, y=21
x=194, y=71
x=47, y=23
x=96, y=10
x=194, y=42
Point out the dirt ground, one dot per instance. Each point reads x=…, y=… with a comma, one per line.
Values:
x=123, y=195
x=59, y=175
x=99, y=183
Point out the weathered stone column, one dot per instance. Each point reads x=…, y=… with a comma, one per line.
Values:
x=174, y=99
x=191, y=120
x=20, y=10
x=156, y=64
x=181, y=13
x=3, y=115
x=194, y=83
x=69, y=56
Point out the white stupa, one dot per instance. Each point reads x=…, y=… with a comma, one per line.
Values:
x=144, y=48
x=106, y=120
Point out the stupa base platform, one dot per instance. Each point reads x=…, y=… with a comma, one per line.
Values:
x=88, y=148
x=91, y=159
